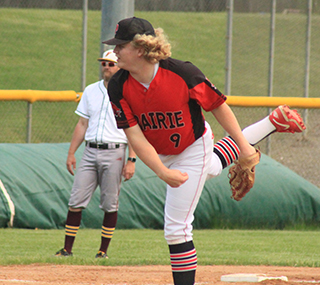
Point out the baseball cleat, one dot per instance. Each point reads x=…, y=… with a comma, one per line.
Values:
x=101, y=254
x=286, y=120
x=63, y=252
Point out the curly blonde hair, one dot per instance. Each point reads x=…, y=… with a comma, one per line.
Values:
x=155, y=48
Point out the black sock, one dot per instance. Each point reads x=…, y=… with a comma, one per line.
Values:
x=108, y=227
x=71, y=229
x=183, y=263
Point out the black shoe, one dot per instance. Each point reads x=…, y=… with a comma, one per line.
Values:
x=63, y=252
x=101, y=254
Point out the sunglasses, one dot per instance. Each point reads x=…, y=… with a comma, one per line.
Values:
x=108, y=63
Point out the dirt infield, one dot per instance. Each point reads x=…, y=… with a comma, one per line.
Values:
x=143, y=275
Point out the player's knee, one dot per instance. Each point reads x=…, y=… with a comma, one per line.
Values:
x=176, y=234
x=75, y=209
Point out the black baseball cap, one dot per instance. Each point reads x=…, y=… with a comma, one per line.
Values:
x=127, y=28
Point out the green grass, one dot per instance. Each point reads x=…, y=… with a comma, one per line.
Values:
x=41, y=49
x=214, y=247
x=251, y=55
x=47, y=44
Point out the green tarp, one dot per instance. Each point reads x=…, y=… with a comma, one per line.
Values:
x=38, y=183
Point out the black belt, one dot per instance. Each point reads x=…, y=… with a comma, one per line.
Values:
x=103, y=145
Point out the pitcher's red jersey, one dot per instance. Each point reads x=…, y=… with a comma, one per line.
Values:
x=169, y=111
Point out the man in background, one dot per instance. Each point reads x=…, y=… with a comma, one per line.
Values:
x=103, y=161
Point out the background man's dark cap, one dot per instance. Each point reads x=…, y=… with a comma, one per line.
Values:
x=127, y=28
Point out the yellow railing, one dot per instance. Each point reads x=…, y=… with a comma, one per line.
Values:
x=241, y=101
x=293, y=102
x=32, y=96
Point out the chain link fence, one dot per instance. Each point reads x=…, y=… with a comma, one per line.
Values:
x=283, y=74
x=39, y=37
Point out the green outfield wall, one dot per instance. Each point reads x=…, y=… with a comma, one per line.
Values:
x=38, y=185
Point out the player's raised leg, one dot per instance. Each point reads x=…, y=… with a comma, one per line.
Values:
x=282, y=120
x=286, y=120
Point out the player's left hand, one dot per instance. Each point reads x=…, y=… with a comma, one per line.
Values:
x=242, y=175
x=128, y=170
x=71, y=163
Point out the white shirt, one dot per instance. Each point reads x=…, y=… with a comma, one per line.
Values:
x=95, y=105
x=156, y=67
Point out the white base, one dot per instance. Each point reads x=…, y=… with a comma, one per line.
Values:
x=245, y=277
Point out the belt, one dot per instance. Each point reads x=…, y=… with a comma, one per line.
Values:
x=103, y=145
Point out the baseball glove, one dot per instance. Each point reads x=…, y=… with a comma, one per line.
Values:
x=242, y=175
